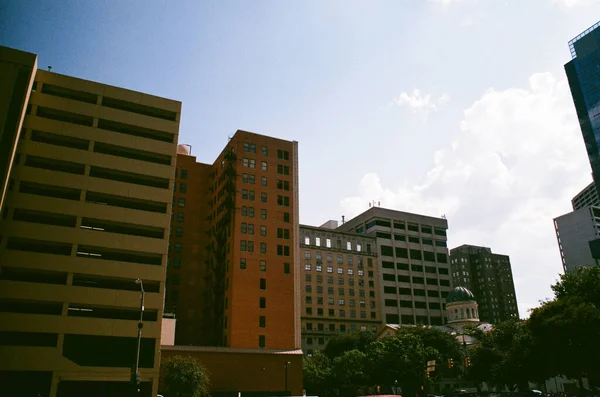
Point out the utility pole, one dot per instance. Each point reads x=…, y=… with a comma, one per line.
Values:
x=136, y=377
x=287, y=363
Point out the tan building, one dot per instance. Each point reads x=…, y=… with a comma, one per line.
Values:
x=340, y=284
x=413, y=264
x=87, y=213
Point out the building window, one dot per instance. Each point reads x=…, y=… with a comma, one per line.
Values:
x=340, y=270
x=263, y=181
x=283, y=154
x=182, y=188
x=262, y=341
x=329, y=258
x=177, y=247
x=180, y=216
x=242, y=263
x=283, y=250
x=329, y=269
x=251, y=179
x=244, y=228
x=251, y=212
x=319, y=268
x=318, y=241
x=350, y=272
x=263, y=213
x=252, y=163
x=250, y=246
x=262, y=302
x=306, y=254
x=263, y=166
x=265, y=151
x=243, y=246
x=286, y=268
x=246, y=162
x=251, y=228
x=262, y=321
x=251, y=195
x=263, y=248
x=179, y=232
x=263, y=230
x=263, y=197
x=263, y=283
x=183, y=174
x=286, y=217
x=244, y=178
x=307, y=267
x=244, y=211
x=263, y=266
x=340, y=259
x=181, y=202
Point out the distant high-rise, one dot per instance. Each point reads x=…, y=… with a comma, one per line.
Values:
x=574, y=231
x=582, y=72
x=586, y=198
x=489, y=277
x=412, y=256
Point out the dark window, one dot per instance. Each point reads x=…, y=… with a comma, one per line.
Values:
x=242, y=263
x=38, y=339
x=442, y=258
x=402, y=266
x=418, y=280
x=415, y=254
x=262, y=321
x=387, y=250
x=107, y=351
x=263, y=283
x=392, y=319
x=262, y=302
x=401, y=252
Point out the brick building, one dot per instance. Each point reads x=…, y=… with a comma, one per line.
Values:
x=340, y=284
x=489, y=277
x=233, y=274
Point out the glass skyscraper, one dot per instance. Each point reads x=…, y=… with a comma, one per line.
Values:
x=583, y=72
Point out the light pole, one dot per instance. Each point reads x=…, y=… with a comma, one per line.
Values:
x=136, y=376
x=287, y=363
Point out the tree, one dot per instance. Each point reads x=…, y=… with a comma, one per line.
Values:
x=581, y=282
x=503, y=356
x=317, y=374
x=343, y=343
x=183, y=376
x=566, y=332
x=348, y=372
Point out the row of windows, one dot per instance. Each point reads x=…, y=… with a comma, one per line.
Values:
x=183, y=174
x=414, y=268
x=350, y=272
x=400, y=252
x=307, y=241
x=263, y=266
x=341, y=313
x=251, y=148
x=414, y=291
x=409, y=319
x=249, y=212
x=251, y=163
x=341, y=280
x=415, y=280
x=341, y=291
x=412, y=239
x=343, y=327
x=341, y=302
x=411, y=227
x=340, y=258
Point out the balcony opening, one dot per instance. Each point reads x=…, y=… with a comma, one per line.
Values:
x=55, y=165
x=107, y=351
x=68, y=117
x=142, y=132
x=134, y=154
x=139, y=109
x=30, y=307
x=126, y=202
x=39, y=246
x=129, y=177
x=68, y=93
x=40, y=189
x=39, y=339
x=33, y=275
x=122, y=228
x=122, y=284
x=46, y=218
x=119, y=255
x=115, y=313
x=60, y=140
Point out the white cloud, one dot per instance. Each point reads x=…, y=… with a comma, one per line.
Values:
x=447, y=2
x=516, y=162
x=418, y=102
x=575, y=3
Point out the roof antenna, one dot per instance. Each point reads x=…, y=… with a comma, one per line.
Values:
x=49, y=68
x=343, y=219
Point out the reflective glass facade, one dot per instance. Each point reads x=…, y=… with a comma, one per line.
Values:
x=583, y=72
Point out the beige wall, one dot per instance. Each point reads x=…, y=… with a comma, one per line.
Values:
x=114, y=276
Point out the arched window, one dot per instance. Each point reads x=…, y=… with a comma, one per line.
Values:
x=462, y=312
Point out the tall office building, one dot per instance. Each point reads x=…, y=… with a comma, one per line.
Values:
x=489, y=277
x=233, y=278
x=586, y=198
x=340, y=284
x=582, y=72
x=85, y=215
x=574, y=232
x=412, y=256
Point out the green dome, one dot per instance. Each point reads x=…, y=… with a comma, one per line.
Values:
x=460, y=294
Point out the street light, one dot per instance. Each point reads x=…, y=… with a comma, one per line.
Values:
x=136, y=377
x=286, y=376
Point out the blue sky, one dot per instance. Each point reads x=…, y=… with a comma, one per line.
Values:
x=455, y=107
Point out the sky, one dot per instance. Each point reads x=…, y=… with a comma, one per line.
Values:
x=440, y=107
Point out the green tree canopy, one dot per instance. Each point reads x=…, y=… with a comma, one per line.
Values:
x=343, y=343
x=581, y=282
x=183, y=376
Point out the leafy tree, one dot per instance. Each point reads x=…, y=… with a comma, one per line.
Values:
x=348, y=371
x=503, y=356
x=566, y=332
x=581, y=282
x=343, y=343
x=317, y=374
x=183, y=376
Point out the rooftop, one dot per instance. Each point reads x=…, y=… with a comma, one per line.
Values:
x=579, y=36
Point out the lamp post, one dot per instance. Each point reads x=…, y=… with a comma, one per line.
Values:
x=287, y=363
x=136, y=376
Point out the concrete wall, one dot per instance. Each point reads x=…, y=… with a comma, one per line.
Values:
x=573, y=232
